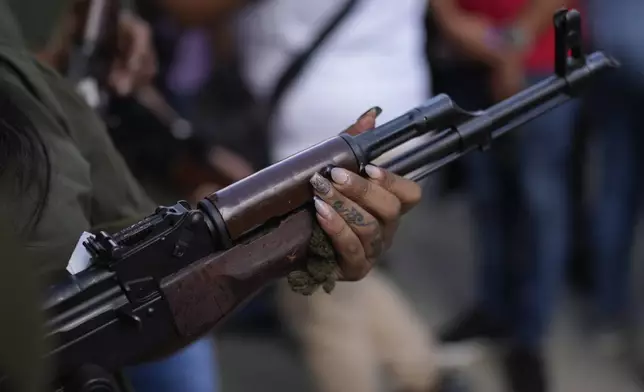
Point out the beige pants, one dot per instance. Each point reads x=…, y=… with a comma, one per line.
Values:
x=361, y=328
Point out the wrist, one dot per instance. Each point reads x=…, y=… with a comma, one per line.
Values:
x=496, y=47
x=509, y=44
x=517, y=38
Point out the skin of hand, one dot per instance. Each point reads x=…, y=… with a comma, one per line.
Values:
x=135, y=64
x=360, y=215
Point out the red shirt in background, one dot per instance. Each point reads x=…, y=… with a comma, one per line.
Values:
x=501, y=13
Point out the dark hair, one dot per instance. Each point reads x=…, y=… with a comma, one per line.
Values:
x=24, y=156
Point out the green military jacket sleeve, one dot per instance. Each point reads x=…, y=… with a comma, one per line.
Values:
x=21, y=352
x=91, y=185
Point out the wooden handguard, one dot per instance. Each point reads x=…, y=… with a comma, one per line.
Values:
x=201, y=295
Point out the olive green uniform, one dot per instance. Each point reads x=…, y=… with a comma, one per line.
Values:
x=20, y=348
x=91, y=186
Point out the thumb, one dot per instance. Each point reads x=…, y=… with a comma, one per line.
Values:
x=365, y=122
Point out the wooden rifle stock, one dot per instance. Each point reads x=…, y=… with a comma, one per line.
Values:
x=204, y=293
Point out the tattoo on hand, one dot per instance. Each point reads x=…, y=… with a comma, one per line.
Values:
x=377, y=245
x=354, y=217
x=351, y=215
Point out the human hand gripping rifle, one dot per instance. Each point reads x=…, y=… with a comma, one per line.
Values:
x=175, y=275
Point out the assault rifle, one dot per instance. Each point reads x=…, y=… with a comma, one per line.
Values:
x=180, y=272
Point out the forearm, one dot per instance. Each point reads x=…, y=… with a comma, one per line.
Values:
x=537, y=15
x=467, y=32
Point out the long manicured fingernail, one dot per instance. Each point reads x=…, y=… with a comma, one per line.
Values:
x=373, y=172
x=322, y=208
x=375, y=111
x=339, y=176
x=320, y=184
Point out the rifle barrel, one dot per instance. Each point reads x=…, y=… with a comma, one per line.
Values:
x=482, y=127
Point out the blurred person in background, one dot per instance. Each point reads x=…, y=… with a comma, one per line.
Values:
x=519, y=189
x=618, y=113
x=374, y=57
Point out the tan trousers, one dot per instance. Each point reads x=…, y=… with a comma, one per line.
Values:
x=359, y=329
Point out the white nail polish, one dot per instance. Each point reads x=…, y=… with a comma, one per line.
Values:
x=373, y=172
x=323, y=209
x=339, y=176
